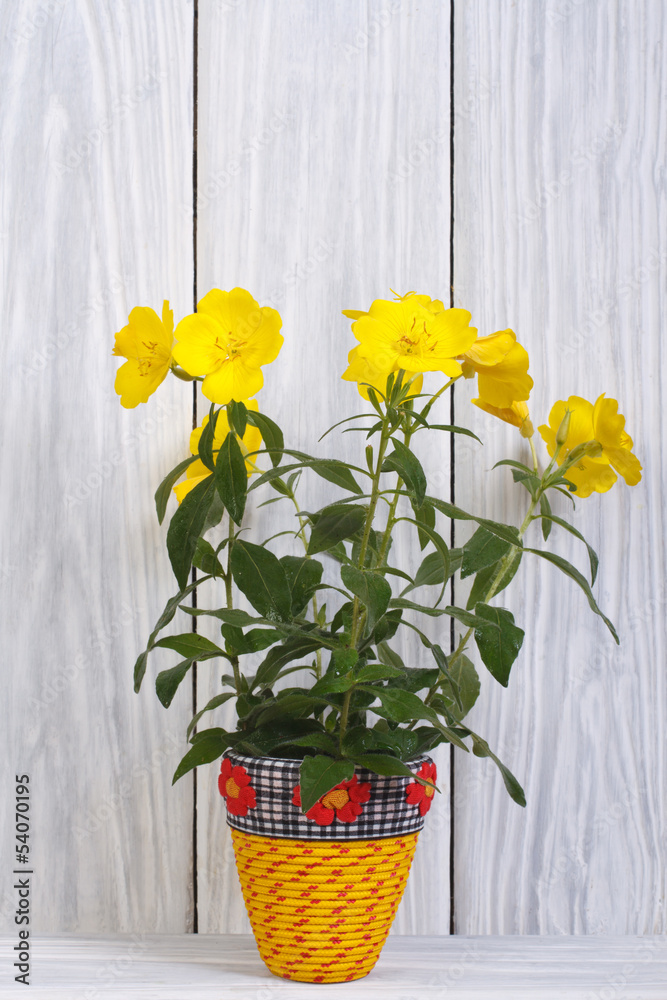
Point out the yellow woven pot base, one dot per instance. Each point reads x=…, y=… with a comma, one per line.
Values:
x=321, y=910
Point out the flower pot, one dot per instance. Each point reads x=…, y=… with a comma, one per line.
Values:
x=322, y=890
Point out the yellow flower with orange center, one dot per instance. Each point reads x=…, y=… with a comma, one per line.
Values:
x=227, y=341
x=146, y=342
x=602, y=428
x=251, y=442
x=414, y=334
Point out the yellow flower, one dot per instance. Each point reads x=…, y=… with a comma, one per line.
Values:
x=414, y=334
x=601, y=426
x=146, y=342
x=501, y=365
x=515, y=414
x=365, y=373
x=251, y=442
x=228, y=340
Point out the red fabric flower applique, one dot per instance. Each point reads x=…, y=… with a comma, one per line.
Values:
x=235, y=788
x=343, y=802
x=419, y=794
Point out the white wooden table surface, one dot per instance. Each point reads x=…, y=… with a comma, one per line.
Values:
x=216, y=967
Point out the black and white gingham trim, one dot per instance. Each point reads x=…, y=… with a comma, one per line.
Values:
x=386, y=814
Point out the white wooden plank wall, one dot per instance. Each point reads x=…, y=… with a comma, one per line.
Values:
x=560, y=234
x=96, y=144
x=297, y=201
x=323, y=178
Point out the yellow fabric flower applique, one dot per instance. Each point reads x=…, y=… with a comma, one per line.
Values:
x=227, y=341
x=601, y=426
x=146, y=342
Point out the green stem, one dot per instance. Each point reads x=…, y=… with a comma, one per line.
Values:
x=302, y=536
x=427, y=409
x=345, y=711
x=375, y=493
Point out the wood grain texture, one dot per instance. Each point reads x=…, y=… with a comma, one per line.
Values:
x=323, y=183
x=207, y=966
x=96, y=130
x=560, y=235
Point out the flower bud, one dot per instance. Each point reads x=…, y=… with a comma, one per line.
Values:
x=563, y=430
x=527, y=430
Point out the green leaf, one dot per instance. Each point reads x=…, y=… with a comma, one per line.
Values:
x=505, y=531
x=233, y=616
x=167, y=681
x=296, y=705
x=378, y=672
x=454, y=429
x=442, y=549
x=318, y=775
x=303, y=576
x=330, y=684
x=389, y=767
x=407, y=465
x=467, y=683
x=485, y=578
x=482, y=550
x=215, y=702
x=272, y=435
x=259, y=575
x=431, y=573
x=372, y=590
x=331, y=469
x=206, y=560
x=387, y=655
x=545, y=507
x=231, y=477
x=313, y=741
x=570, y=571
x=279, y=656
x=424, y=516
x=186, y=526
x=415, y=678
x=163, y=491
x=481, y=749
x=592, y=554
x=206, y=438
x=333, y=524
x=209, y=746
x=237, y=415
x=401, y=602
x=190, y=644
x=468, y=619
x=498, y=646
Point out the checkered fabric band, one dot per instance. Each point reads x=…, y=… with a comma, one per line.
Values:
x=385, y=813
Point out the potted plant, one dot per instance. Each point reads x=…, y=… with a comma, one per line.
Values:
x=327, y=780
